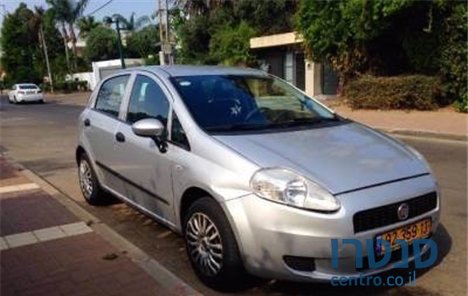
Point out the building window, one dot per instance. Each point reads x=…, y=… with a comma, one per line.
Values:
x=289, y=67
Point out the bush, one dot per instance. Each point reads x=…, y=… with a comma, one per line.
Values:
x=400, y=92
x=66, y=86
x=454, y=62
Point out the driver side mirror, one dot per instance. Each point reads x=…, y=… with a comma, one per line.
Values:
x=151, y=128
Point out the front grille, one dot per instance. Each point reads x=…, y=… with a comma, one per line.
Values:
x=386, y=215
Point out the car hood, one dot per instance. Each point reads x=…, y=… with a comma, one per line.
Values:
x=339, y=158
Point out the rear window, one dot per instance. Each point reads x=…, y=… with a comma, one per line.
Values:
x=28, y=86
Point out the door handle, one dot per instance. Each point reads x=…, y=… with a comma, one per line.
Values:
x=120, y=137
x=87, y=122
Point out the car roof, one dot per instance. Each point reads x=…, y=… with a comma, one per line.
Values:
x=194, y=70
x=25, y=83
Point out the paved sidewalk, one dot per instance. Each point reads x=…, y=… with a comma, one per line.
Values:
x=47, y=250
x=443, y=123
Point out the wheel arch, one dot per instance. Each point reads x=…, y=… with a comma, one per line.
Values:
x=79, y=151
x=189, y=196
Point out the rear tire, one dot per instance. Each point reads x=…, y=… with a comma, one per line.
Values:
x=89, y=184
x=211, y=246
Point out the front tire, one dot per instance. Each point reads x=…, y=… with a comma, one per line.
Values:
x=89, y=184
x=212, y=247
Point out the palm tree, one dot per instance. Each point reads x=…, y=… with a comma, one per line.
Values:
x=69, y=11
x=59, y=8
x=131, y=24
x=36, y=24
x=86, y=24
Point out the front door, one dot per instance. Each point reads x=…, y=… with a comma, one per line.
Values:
x=145, y=170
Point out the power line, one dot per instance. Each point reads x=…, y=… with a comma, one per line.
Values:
x=100, y=7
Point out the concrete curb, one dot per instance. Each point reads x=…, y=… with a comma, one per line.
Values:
x=424, y=134
x=158, y=272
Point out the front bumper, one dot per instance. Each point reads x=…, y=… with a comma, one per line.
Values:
x=267, y=231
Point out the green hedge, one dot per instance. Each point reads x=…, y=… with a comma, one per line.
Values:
x=400, y=92
x=66, y=86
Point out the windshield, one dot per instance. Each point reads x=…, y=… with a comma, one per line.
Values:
x=28, y=86
x=237, y=102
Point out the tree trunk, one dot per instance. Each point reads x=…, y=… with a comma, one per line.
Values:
x=65, y=41
x=46, y=55
x=73, y=41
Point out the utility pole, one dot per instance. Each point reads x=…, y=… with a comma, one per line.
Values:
x=44, y=46
x=122, y=60
x=165, y=55
x=111, y=20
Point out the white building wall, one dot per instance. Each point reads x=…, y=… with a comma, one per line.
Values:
x=313, y=78
x=103, y=69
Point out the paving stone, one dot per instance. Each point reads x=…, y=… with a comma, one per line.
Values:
x=75, y=228
x=3, y=244
x=27, y=211
x=49, y=233
x=20, y=239
x=17, y=188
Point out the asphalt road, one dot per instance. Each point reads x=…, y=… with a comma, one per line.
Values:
x=43, y=137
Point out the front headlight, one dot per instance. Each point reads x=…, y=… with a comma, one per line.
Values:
x=284, y=186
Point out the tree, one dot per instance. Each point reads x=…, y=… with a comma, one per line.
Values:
x=197, y=22
x=143, y=43
x=131, y=24
x=59, y=8
x=36, y=24
x=101, y=44
x=389, y=38
x=19, y=44
x=86, y=24
x=69, y=11
x=454, y=54
x=231, y=45
x=266, y=16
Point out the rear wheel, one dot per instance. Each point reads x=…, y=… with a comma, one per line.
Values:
x=212, y=247
x=89, y=184
x=14, y=100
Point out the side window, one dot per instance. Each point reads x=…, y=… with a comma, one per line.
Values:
x=147, y=101
x=111, y=94
x=178, y=135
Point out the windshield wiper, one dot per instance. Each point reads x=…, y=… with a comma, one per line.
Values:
x=306, y=121
x=239, y=127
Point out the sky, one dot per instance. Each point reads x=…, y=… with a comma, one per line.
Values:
x=123, y=7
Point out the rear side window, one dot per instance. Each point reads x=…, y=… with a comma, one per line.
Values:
x=147, y=101
x=111, y=94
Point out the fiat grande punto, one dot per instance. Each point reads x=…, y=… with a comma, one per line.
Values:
x=255, y=175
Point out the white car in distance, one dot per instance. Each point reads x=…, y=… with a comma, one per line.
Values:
x=25, y=92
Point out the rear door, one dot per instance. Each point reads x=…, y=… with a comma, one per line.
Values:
x=100, y=125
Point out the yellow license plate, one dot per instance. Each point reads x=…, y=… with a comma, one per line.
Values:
x=408, y=233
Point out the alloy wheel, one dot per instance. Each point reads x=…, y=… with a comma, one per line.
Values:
x=204, y=244
x=86, y=179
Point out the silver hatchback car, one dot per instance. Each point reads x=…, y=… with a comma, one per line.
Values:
x=257, y=176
